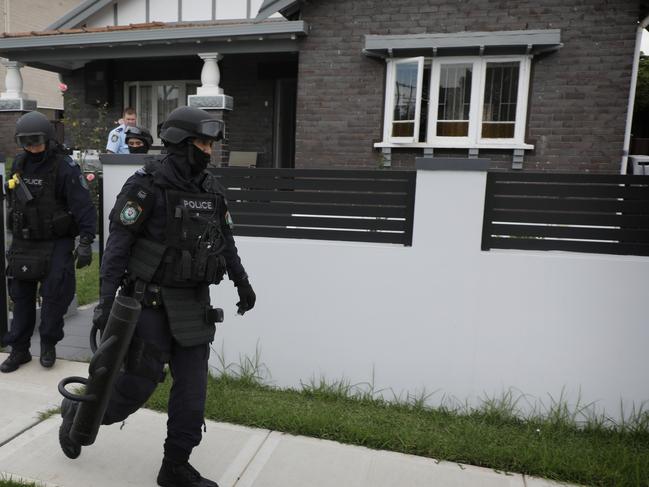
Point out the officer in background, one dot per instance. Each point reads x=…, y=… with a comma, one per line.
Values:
x=138, y=140
x=116, y=143
x=48, y=205
x=170, y=238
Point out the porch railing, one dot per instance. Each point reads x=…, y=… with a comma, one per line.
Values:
x=595, y=213
x=322, y=204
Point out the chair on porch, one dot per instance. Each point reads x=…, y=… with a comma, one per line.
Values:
x=242, y=159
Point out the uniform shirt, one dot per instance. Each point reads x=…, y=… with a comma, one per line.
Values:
x=117, y=140
x=122, y=238
x=71, y=188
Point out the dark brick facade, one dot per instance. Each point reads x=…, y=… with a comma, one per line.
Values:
x=578, y=95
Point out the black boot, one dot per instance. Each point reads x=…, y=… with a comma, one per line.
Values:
x=48, y=355
x=181, y=475
x=69, y=447
x=16, y=359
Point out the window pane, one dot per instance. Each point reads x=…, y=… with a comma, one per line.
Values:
x=500, y=97
x=145, y=114
x=168, y=96
x=454, y=100
x=405, y=99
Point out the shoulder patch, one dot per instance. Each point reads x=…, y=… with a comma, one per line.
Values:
x=130, y=213
x=228, y=220
x=114, y=138
x=71, y=162
x=84, y=183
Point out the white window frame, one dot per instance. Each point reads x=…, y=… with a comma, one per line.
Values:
x=474, y=138
x=182, y=98
x=389, y=100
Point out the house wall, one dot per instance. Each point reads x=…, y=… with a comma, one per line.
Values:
x=250, y=124
x=22, y=16
x=135, y=11
x=442, y=316
x=578, y=97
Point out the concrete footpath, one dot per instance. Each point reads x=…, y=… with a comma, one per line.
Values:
x=230, y=454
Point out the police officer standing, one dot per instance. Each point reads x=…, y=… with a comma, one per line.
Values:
x=170, y=238
x=116, y=143
x=48, y=205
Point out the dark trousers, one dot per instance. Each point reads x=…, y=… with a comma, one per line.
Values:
x=56, y=290
x=152, y=346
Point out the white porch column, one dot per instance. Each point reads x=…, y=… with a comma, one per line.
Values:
x=13, y=98
x=210, y=75
x=13, y=81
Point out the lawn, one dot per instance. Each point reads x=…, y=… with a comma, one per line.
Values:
x=88, y=282
x=552, y=445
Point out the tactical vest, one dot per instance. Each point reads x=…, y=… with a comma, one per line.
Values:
x=192, y=253
x=44, y=217
x=183, y=266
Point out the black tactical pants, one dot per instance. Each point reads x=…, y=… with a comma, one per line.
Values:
x=152, y=346
x=57, y=290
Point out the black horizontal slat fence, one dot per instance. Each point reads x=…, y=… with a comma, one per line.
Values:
x=321, y=204
x=594, y=213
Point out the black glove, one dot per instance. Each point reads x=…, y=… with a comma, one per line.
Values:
x=247, y=296
x=102, y=312
x=83, y=252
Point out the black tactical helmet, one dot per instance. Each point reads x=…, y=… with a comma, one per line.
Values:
x=190, y=122
x=139, y=133
x=33, y=128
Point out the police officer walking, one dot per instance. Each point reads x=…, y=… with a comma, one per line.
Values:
x=48, y=205
x=170, y=238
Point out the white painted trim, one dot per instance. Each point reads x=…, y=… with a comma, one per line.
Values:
x=390, y=98
x=474, y=138
x=451, y=145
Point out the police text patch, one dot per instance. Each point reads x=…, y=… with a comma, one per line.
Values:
x=130, y=213
x=197, y=204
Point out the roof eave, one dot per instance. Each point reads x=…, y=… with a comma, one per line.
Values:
x=79, y=14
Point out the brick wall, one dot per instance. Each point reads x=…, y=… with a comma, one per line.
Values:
x=578, y=98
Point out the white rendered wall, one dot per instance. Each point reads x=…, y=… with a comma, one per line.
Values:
x=131, y=12
x=197, y=10
x=104, y=18
x=442, y=315
x=163, y=11
x=231, y=9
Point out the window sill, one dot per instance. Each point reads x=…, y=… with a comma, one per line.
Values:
x=423, y=145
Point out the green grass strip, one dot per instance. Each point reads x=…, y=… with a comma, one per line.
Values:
x=13, y=483
x=88, y=282
x=551, y=448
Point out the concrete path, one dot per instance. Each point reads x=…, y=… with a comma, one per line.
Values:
x=230, y=454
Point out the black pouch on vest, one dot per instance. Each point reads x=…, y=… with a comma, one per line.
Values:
x=29, y=261
x=186, y=312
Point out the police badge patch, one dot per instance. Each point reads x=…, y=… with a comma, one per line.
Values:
x=114, y=138
x=130, y=213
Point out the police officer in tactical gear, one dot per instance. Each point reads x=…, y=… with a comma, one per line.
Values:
x=48, y=206
x=138, y=140
x=170, y=238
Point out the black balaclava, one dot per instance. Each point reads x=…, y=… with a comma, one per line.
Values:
x=143, y=149
x=35, y=158
x=183, y=167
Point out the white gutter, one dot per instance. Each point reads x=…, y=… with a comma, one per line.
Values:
x=634, y=82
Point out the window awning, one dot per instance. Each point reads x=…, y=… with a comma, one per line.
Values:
x=463, y=43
